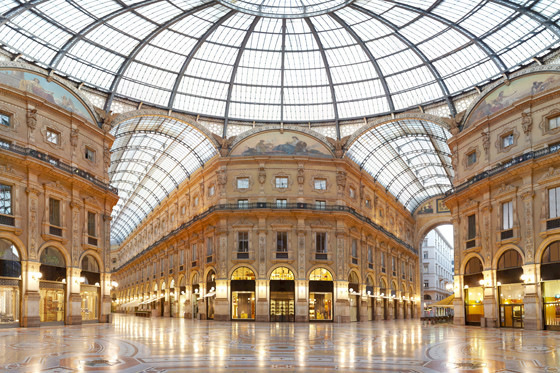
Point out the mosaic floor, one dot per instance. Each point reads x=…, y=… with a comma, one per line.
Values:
x=133, y=344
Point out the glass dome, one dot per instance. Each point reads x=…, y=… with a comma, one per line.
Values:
x=271, y=61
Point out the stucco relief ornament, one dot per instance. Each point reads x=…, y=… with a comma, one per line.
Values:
x=106, y=156
x=338, y=145
x=262, y=175
x=224, y=143
x=485, y=141
x=221, y=178
x=341, y=180
x=300, y=175
x=32, y=119
x=526, y=123
x=74, y=137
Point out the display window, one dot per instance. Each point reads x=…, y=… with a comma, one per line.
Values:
x=243, y=305
x=51, y=305
x=320, y=306
x=551, y=297
x=282, y=295
x=512, y=311
x=10, y=272
x=474, y=307
x=90, y=303
x=9, y=303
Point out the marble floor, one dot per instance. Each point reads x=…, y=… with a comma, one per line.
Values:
x=133, y=344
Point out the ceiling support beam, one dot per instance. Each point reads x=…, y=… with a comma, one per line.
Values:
x=417, y=51
x=329, y=75
x=373, y=60
x=234, y=72
x=191, y=54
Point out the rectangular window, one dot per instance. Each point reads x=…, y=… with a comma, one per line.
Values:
x=196, y=201
x=182, y=257
x=320, y=205
x=4, y=144
x=370, y=254
x=53, y=136
x=281, y=203
x=282, y=241
x=91, y=224
x=354, y=248
x=5, y=119
x=554, y=123
x=320, y=184
x=425, y=255
x=162, y=265
x=507, y=140
x=242, y=183
x=281, y=182
x=471, y=158
x=54, y=212
x=352, y=192
x=243, y=203
x=368, y=203
x=426, y=284
x=194, y=252
x=554, y=203
x=6, y=199
x=507, y=215
x=394, y=265
x=403, y=270
x=171, y=261
x=471, y=227
x=426, y=268
x=90, y=154
x=211, y=190
x=242, y=242
x=320, y=242
x=383, y=263
x=209, y=246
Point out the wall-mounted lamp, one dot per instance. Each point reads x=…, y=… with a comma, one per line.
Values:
x=351, y=290
x=114, y=284
x=82, y=280
x=36, y=275
x=369, y=292
x=196, y=291
x=466, y=287
x=63, y=280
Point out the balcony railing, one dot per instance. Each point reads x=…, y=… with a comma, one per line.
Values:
x=504, y=235
x=355, y=261
x=194, y=263
x=242, y=255
x=503, y=167
x=370, y=265
x=92, y=241
x=7, y=220
x=321, y=256
x=55, y=231
x=209, y=259
x=553, y=223
x=281, y=255
x=55, y=162
x=272, y=206
x=470, y=244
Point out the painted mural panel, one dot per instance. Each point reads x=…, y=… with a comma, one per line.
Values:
x=276, y=143
x=50, y=91
x=520, y=88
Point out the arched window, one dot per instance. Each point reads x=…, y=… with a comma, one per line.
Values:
x=53, y=265
x=353, y=278
x=427, y=297
x=474, y=266
x=10, y=262
x=320, y=274
x=552, y=253
x=282, y=273
x=510, y=259
x=243, y=273
x=90, y=270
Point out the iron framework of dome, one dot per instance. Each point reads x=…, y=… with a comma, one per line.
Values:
x=270, y=61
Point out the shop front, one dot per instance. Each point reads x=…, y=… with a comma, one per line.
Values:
x=510, y=287
x=10, y=283
x=243, y=294
x=282, y=295
x=550, y=275
x=52, y=286
x=473, y=292
x=90, y=289
x=354, y=296
x=195, y=295
x=384, y=300
x=370, y=299
x=210, y=294
x=321, y=288
x=182, y=297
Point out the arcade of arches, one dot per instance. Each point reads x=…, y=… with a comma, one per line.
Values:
x=276, y=223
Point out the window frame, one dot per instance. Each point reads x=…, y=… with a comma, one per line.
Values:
x=92, y=155
x=553, y=211
x=320, y=184
x=240, y=183
x=52, y=216
x=11, y=206
x=92, y=219
x=281, y=242
x=243, y=241
x=281, y=182
x=52, y=134
x=507, y=215
x=320, y=242
x=3, y=114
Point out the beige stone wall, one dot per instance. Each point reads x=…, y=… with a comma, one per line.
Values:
x=523, y=179
x=38, y=170
x=368, y=200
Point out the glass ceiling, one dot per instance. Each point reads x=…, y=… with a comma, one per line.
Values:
x=150, y=157
x=410, y=158
x=263, y=60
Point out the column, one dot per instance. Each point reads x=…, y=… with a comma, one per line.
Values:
x=221, y=305
x=31, y=297
x=490, y=319
x=74, y=305
x=531, y=300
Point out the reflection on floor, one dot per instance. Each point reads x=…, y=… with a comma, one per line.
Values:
x=133, y=344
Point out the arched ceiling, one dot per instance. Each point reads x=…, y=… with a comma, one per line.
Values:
x=409, y=157
x=281, y=61
x=150, y=158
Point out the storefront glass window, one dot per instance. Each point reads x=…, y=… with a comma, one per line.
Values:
x=51, y=305
x=320, y=306
x=474, y=309
x=9, y=304
x=89, y=303
x=551, y=294
x=243, y=305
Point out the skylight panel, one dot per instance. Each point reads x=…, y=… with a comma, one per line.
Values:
x=133, y=25
x=486, y=18
x=70, y=16
x=159, y=12
x=446, y=42
x=399, y=16
x=455, y=10
x=422, y=29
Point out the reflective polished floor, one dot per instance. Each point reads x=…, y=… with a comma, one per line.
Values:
x=133, y=344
